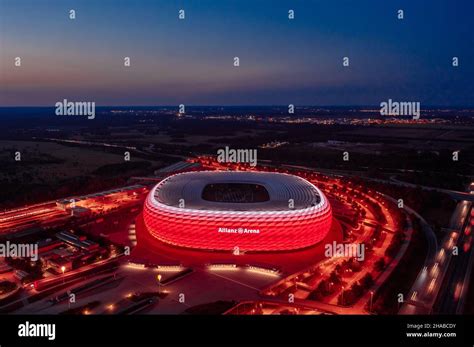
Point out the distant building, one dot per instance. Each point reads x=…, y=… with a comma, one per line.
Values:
x=48, y=245
x=60, y=263
x=4, y=267
x=20, y=274
x=77, y=241
x=79, y=211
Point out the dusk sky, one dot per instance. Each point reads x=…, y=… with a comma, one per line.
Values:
x=282, y=61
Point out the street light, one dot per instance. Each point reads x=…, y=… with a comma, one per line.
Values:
x=342, y=296
x=158, y=277
x=371, y=298
x=63, y=269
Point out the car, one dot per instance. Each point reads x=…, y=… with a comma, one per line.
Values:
x=467, y=244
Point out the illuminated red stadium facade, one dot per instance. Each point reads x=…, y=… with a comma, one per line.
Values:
x=222, y=210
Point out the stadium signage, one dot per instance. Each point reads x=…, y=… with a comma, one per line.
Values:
x=238, y=231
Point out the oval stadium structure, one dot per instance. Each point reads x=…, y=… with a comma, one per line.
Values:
x=222, y=210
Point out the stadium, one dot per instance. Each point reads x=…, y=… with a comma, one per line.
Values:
x=223, y=210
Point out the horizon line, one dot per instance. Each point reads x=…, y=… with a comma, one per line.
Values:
x=248, y=105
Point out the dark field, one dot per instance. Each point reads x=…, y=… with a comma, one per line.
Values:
x=59, y=149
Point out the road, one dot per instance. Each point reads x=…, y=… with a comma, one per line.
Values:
x=440, y=283
x=432, y=286
x=456, y=282
x=456, y=195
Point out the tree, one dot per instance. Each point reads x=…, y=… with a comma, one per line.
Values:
x=335, y=278
x=367, y=281
x=379, y=265
x=357, y=290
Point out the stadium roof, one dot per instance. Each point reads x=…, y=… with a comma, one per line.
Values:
x=280, y=188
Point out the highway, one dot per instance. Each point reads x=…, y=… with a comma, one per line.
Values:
x=456, y=195
x=419, y=298
x=456, y=282
x=441, y=282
